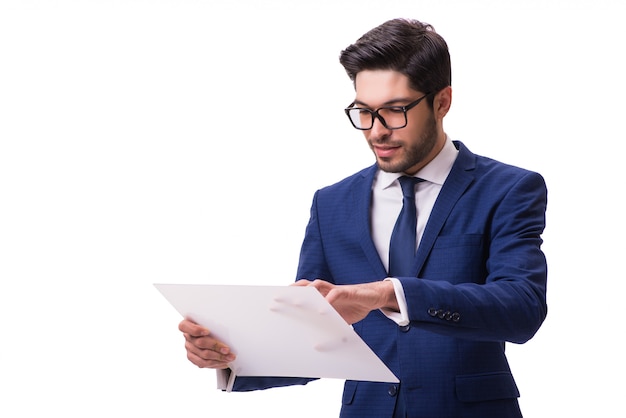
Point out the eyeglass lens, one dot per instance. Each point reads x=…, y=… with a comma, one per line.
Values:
x=392, y=117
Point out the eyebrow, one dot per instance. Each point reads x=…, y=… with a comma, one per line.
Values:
x=393, y=102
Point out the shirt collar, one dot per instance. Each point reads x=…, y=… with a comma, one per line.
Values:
x=435, y=171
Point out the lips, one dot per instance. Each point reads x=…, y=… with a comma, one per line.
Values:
x=385, y=151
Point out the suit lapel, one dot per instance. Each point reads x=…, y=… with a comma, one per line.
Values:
x=460, y=177
x=362, y=195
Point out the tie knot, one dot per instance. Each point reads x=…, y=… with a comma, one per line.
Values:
x=408, y=185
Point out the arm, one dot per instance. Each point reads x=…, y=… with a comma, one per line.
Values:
x=506, y=301
x=485, y=279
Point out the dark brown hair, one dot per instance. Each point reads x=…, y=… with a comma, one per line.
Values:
x=408, y=46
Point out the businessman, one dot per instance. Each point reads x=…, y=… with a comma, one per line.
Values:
x=433, y=253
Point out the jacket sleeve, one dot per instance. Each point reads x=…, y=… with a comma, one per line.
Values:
x=495, y=284
x=246, y=384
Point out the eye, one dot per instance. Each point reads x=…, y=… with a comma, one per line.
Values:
x=394, y=109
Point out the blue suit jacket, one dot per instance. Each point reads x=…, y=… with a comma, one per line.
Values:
x=479, y=280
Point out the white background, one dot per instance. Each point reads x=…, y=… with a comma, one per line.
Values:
x=132, y=132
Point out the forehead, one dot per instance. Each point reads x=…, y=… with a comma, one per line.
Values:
x=377, y=87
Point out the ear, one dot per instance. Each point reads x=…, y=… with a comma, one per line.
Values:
x=442, y=102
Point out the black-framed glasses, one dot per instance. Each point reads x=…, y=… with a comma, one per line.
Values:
x=392, y=117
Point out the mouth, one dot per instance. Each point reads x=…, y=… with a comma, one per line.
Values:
x=385, y=151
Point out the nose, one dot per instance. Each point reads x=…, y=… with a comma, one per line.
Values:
x=379, y=130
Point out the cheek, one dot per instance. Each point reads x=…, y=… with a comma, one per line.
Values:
x=421, y=126
x=413, y=132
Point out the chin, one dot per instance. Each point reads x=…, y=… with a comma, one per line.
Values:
x=389, y=167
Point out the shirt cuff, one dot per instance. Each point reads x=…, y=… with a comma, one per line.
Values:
x=224, y=379
x=401, y=318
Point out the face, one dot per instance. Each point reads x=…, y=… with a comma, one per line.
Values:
x=408, y=149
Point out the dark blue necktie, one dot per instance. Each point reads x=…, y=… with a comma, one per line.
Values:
x=403, y=239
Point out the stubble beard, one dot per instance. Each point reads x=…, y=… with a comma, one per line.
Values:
x=414, y=153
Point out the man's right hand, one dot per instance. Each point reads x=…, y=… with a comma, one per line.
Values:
x=202, y=349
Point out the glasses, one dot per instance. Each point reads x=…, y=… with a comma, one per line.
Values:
x=392, y=117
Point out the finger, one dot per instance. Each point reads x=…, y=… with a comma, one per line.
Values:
x=206, y=363
x=208, y=343
x=322, y=286
x=301, y=282
x=208, y=346
x=217, y=356
x=191, y=328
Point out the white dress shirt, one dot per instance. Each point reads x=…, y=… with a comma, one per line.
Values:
x=387, y=203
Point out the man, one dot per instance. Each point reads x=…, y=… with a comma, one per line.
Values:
x=478, y=276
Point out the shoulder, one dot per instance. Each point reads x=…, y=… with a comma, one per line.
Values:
x=347, y=194
x=491, y=171
x=358, y=180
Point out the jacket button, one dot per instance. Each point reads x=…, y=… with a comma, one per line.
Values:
x=432, y=312
x=441, y=314
x=448, y=315
x=393, y=390
x=405, y=328
x=456, y=317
